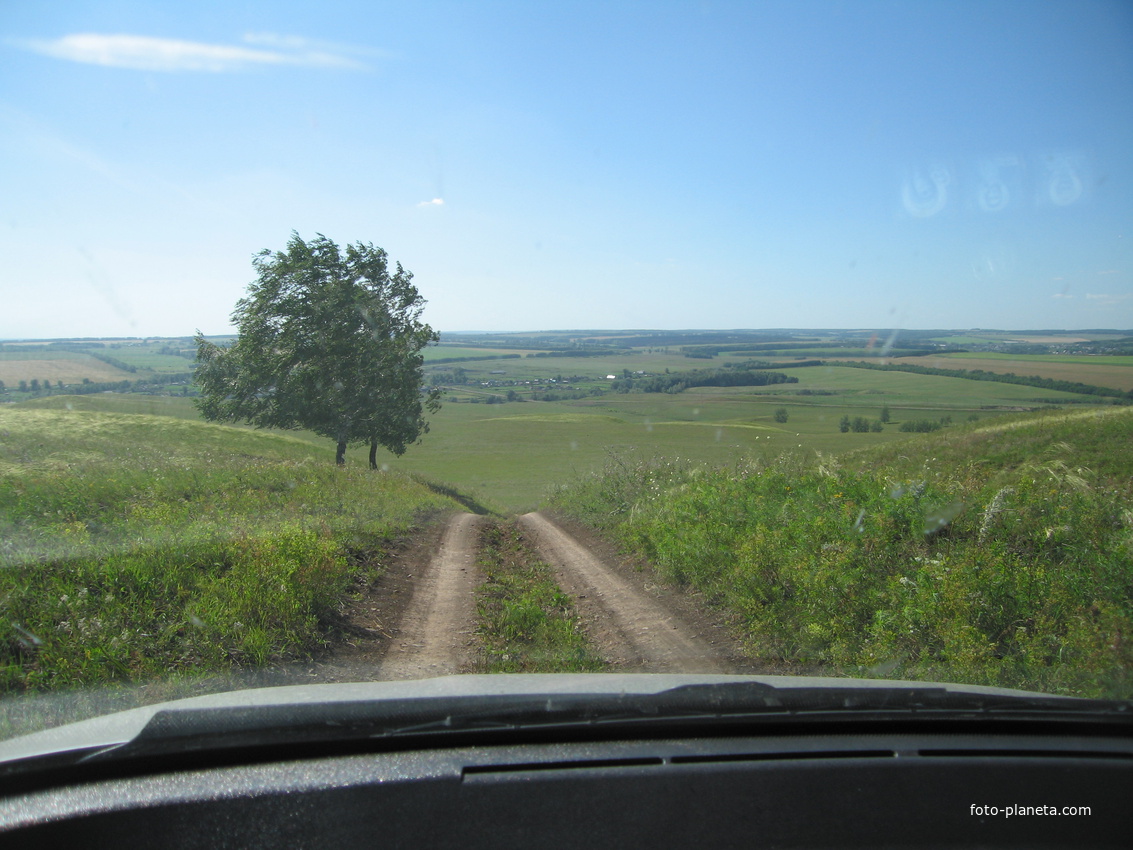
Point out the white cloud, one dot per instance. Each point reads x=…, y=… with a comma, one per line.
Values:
x=436, y=202
x=143, y=53
x=1107, y=298
x=1061, y=295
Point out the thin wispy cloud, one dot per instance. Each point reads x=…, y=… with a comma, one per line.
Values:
x=436, y=202
x=1107, y=299
x=145, y=53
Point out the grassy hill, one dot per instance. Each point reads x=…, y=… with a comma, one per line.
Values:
x=135, y=546
x=992, y=553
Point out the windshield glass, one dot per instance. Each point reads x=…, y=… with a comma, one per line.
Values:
x=363, y=343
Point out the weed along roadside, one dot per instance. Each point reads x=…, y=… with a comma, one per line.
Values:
x=147, y=549
x=138, y=548
x=964, y=557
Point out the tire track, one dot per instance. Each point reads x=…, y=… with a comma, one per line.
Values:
x=436, y=635
x=634, y=629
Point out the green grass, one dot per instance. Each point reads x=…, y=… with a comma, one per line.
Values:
x=527, y=624
x=1083, y=359
x=135, y=546
x=993, y=554
x=176, y=407
x=507, y=455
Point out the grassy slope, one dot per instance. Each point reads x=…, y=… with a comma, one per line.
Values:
x=136, y=546
x=506, y=454
x=996, y=553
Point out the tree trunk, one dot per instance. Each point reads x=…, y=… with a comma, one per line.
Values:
x=340, y=455
x=373, y=454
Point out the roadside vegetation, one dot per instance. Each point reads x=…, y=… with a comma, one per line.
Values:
x=136, y=547
x=997, y=554
x=527, y=624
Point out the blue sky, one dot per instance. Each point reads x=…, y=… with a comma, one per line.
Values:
x=574, y=165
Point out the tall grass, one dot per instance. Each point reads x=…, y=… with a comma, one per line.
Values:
x=135, y=547
x=997, y=556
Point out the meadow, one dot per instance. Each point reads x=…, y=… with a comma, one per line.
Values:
x=136, y=546
x=994, y=553
x=170, y=539
x=509, y=454
x=1106, y=371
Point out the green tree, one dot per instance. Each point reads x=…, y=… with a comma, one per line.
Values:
x=885, y=413
x=327, y=341
x=780, y=414
x=844, y=424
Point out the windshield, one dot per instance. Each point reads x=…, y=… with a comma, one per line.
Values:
x=366, y=343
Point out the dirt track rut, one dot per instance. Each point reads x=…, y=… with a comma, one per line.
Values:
x=420, y=619
x=437, y=631
x=635, y=630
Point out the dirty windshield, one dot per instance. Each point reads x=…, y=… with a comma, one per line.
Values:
x=362, y=342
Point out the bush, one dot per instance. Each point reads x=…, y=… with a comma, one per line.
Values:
x=920, y=426
x=957, y=574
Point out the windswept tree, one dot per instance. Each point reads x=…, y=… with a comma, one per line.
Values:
x=327, y=341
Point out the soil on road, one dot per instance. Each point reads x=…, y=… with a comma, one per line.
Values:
x=629, y=620
x=437, y=635
x=419, y=619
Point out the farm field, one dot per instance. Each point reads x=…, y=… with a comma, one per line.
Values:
x=1103, y=371
x=97, y=361
x=510, y=454
x=70, y=367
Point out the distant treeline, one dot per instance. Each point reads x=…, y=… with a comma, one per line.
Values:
x=666, y=338
x=849, y=347
x=88, y=387
x=112, y=361
x=581, y=352
x=998, y=377
x=440, y=360
x=678, y=381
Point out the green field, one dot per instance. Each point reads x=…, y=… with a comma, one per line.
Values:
x=1100, y=370
x=1085, y=359
x=71, y=362
x=511, y=454
x=199, y=524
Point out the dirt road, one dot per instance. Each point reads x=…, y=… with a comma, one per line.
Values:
x=634, y=629
x=437, y=630
x=419, y=619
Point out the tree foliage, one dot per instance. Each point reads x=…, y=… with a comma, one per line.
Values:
x=328, y=341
